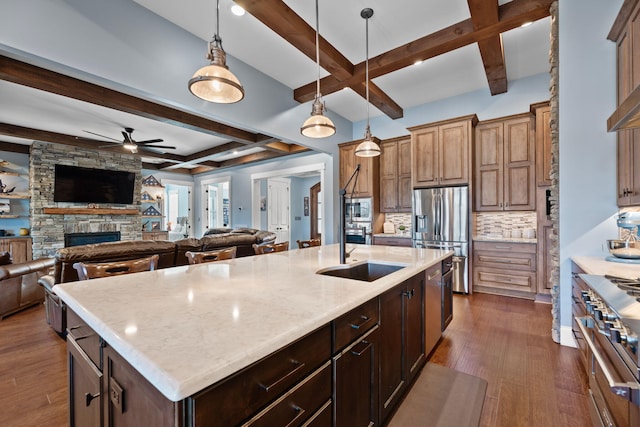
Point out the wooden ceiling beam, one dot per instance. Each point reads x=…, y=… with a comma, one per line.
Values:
x=276, y=15
x=14, y=148
x=252, y=158
x=511, y=15
x=485, y=13
x=25, y=74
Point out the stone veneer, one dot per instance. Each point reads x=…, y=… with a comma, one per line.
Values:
x=554, y=277
x=47, y=230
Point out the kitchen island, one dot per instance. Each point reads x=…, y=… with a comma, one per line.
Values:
x=184, y=329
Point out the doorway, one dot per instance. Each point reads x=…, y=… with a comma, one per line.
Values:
x=216, y=204
x=178, y=207
x=279, y=205
x=315, y=209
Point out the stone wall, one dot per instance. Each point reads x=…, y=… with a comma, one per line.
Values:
x=555, y=197
x=48, y=230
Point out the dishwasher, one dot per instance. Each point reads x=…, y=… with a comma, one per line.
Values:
x=448, y=272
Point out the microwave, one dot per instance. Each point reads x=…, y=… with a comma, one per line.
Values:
x=358, y=210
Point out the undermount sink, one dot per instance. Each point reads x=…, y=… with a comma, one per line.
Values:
x=364, y=271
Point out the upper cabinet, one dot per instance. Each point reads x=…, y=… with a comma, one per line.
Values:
x=504, y=158
x=395, y=175
x=542, y=115
x=441, y=152
x=626, y=34
x=367, y=184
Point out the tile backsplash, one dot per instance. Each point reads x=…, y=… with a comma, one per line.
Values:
x=492, y=224
x=399, y=219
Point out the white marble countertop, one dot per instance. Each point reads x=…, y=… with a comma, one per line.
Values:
x=600, y=266
x=503, y=239
x=185, y=328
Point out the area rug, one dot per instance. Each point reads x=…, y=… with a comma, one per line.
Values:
x=442, y=397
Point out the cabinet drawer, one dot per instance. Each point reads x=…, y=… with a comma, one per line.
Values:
x=504, y=260
x=504, y=247
x=351, y=325
x=245, y=393
x=298, y=404
x=522, y=281
x=85, y=337
x=322, y=418
x=393, y=241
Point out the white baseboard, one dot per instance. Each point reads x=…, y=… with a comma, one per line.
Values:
x=566, y=337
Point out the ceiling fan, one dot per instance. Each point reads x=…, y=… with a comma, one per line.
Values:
x=132, y=145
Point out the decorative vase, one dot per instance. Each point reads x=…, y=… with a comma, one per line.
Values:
x=24, y=232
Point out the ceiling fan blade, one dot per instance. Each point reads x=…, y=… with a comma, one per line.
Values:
x=103, y=136
x=149, y=141
x=171, y=147
x=111, y=144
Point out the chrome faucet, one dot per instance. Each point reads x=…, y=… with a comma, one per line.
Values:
x=343, y=225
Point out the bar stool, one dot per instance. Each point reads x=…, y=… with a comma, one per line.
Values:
x=209, y=256
x=308, y=243
x=270, y=247
x=88, y=271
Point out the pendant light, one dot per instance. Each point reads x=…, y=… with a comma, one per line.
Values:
x=318, y=125
x=214, y=82
x=368, y=147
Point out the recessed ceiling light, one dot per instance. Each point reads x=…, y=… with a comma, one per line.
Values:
x=526, y=24
x=418, y=62
x=237, y=10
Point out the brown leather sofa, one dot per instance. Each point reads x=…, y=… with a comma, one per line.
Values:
x=19, y=287
x=170, y=254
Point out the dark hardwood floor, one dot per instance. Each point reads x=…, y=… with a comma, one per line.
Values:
x=532, y=380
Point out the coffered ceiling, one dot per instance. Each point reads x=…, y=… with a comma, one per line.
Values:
x=464, y=45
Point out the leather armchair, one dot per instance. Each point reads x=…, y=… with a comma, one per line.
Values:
x=19, y=287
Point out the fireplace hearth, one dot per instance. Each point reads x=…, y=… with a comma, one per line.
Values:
x=76, y=239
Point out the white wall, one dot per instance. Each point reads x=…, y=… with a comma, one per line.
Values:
x=587, y=152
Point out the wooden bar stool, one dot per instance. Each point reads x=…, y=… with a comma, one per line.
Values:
x=209, y=256
x=88, y=271
x=308, y=243
x=270, y=247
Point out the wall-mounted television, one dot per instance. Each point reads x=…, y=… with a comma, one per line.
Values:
x=87, y=185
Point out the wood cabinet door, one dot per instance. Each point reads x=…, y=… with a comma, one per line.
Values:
x=348, y=161
x=634, y=168
x=519, y=165
x=392, y=349
x=85, y=388
x=356, y=383
x=424, y=152
x=634, y=27
x=404, y=176
x=623, y=154
x=488, y=161
x=414, y=326
x=389, y=177
x=19, y=248
x=453, y=147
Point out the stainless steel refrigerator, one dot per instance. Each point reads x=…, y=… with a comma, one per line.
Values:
x=441, y=221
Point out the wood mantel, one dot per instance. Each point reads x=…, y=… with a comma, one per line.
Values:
x=90, y=211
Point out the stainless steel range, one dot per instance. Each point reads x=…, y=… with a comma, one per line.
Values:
x=610, y=325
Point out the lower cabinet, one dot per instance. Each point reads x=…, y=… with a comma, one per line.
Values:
x=18, y=247
x=402, y=351
x=85, y=387
x=505, y=268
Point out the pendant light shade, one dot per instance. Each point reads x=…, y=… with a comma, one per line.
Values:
x=368, y=147
x=318, y=125
x=214, y=82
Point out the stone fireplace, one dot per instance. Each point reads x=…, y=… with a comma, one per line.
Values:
x=48, y=229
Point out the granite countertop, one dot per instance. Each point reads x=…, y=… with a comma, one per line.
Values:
x=185, y=328
x=503, y=239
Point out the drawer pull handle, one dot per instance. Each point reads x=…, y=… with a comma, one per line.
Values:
x=299, y=412
x=364, y=320
x=280, y=380
x=83, y=337
x=503, y=247
x=89, y=397
x=367, y=346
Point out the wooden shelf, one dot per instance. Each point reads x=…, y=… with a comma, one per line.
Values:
x=90, y=211
x=3, y=216
x=13, y=196
x=9, y=173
